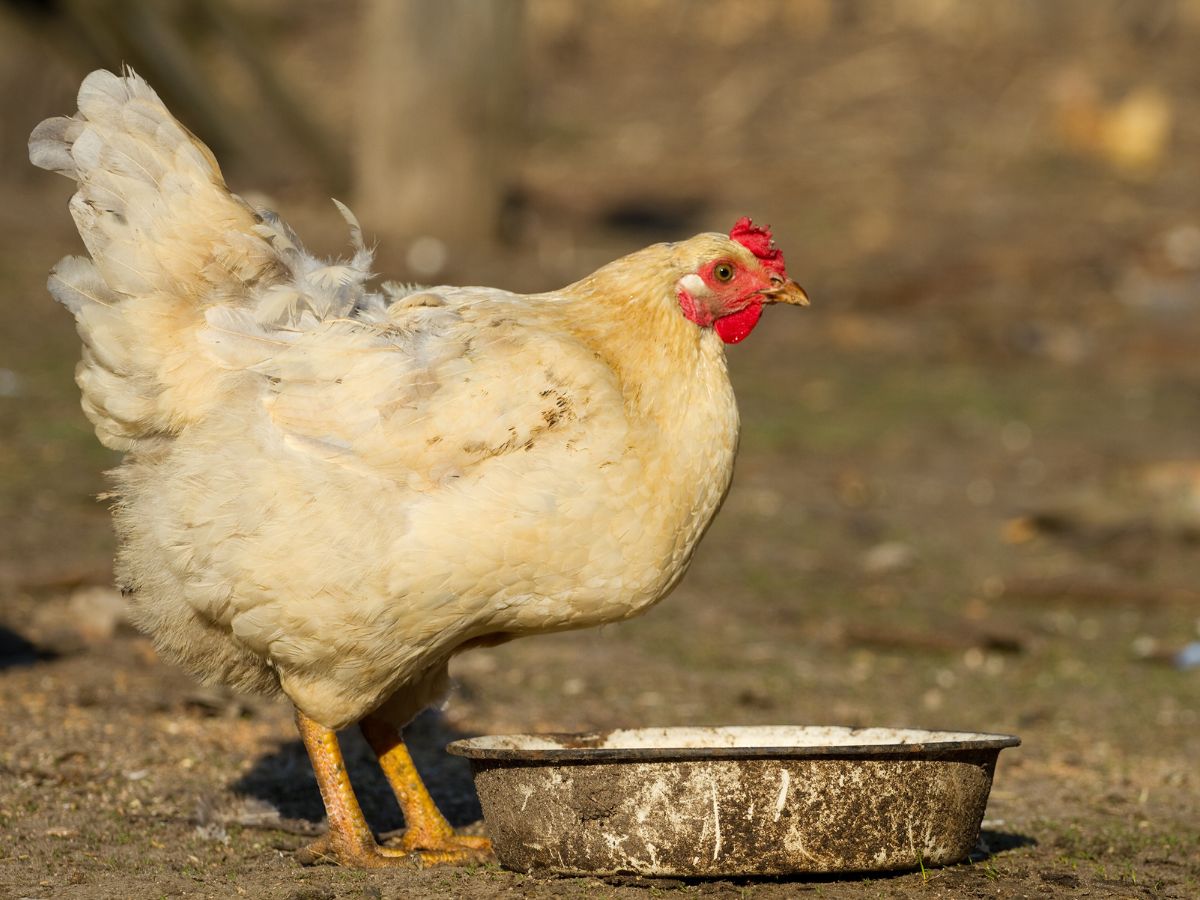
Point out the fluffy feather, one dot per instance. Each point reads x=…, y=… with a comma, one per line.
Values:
x=331, y=490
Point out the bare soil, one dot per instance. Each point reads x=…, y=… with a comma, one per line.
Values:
x=968, y=494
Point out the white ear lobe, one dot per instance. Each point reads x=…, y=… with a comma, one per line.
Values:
x=695, y=286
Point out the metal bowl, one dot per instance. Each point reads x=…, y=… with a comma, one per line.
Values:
x=733, y=801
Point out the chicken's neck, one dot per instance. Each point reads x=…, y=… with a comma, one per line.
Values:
x=630, y=316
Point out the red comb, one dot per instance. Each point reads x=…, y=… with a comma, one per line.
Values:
x=759, y=242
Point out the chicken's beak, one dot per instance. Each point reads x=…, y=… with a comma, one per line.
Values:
x=784, y=291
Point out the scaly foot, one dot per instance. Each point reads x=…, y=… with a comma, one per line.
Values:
x=428, y=836
x=429, y=839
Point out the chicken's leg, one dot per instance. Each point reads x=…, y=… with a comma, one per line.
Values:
x=427, y=834
x=349, y=841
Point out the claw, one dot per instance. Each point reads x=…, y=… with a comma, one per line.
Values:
x=328, y=850
x=456, y=850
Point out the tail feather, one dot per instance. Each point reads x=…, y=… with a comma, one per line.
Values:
x=50, y=145
x=168, y=241
x=152, y=206
x=119, y=390
x=166, y=238
x=76, y=284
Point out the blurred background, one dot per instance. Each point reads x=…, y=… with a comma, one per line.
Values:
x=969, y=488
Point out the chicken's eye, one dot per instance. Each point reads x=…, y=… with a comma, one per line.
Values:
x=723, y=272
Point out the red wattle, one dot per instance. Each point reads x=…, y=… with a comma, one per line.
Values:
x=735, y=326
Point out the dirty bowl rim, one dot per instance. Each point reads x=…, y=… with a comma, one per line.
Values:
x=583, y=747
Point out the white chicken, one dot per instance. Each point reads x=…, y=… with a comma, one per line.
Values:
x=330, y=491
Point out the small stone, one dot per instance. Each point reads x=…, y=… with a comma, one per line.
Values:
x=890, y=556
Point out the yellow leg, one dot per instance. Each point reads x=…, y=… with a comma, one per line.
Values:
x=428, y=836
x=349, y=841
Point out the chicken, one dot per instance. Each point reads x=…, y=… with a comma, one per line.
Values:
x=330, y=491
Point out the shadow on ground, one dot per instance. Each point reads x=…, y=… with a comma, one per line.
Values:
x=993, y=843
x=16, y=650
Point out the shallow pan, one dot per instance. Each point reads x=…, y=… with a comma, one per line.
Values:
x=733, y=801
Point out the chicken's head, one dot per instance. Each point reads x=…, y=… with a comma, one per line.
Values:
x=735, y=277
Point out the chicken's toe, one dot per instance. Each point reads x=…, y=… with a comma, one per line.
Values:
x=327, y=850
x=456, y=850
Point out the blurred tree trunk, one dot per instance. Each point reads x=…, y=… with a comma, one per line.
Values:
x=441, y=107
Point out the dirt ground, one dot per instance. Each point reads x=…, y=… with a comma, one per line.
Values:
x=968, y=493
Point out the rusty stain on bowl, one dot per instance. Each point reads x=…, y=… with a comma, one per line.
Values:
x=771, y=800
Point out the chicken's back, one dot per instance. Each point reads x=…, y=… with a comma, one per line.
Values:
x=166, y=238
